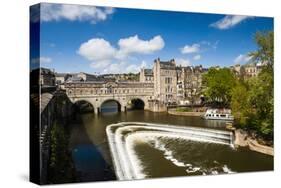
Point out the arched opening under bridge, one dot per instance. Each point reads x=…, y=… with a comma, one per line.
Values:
x=136, y=104
x=110, y=106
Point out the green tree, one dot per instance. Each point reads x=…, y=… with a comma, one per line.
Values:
x=252, y=101
x=240, y=105
x=261, y=99
x=219, y=84
x=265, y=51
x=262, y=87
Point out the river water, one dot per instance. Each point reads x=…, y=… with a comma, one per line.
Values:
x=159, y=156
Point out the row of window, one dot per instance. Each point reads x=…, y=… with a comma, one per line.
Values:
x=168, y=80
x=148, y=78
x=169, y=89
x=108, y=91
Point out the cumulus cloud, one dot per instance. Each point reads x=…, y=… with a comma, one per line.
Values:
x=229, y=21
x=57, y=12
x=97, y=49
x=122, y=67
x=41, y=60
x=100, y=64
x=106, y=58
x=183, y=62
x=197, y=57
x=188, y=49
x=135, y=45
x=241, y=59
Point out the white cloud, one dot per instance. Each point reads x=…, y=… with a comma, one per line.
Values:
x=133, y=44
x=100, y=64
x=122, y=67
x=197, y=57
x=41, y=60
x=229, y=21
x=97, y=49
x=188, y=49
x=241, y=59
x=183, y=62
x=105, y=58
x=56, y=12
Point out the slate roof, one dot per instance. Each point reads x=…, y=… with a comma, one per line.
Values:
x=148, y=72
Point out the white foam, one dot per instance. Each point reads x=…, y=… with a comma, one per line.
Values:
x=122, y=142
x=227, y=170
x=147, y=137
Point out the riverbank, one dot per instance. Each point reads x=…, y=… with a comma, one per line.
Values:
x=185, y=113
x=244, y=139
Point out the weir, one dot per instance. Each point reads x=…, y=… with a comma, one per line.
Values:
x=122, y=136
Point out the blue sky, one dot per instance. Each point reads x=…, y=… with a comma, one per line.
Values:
x=113, y=40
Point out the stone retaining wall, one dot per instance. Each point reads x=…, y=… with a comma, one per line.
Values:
x=173, y=112
x=243, y=139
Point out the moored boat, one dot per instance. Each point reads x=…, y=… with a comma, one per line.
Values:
x=219, y=114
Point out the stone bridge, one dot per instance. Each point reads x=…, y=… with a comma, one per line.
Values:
x=98, y=92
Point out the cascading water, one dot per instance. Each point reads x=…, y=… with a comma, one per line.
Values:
x=124, y=137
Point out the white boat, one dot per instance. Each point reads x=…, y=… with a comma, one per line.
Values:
x=219, y=114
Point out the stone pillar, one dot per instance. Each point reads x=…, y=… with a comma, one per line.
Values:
x=123, y=108
x=97, y=110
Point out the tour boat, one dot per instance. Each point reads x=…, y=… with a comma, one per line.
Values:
x=219, y=114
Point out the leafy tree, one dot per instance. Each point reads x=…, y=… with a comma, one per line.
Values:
x=265, y=52
x=240, y=105
x=262, y=87
x=261, y=99
x=252, y=100
x=219, y=83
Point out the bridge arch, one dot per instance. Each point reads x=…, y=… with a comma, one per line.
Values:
x=136, y=103
x=110, y=105
x=83, y=105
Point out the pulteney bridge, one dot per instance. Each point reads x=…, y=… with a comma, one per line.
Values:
x=98, y=92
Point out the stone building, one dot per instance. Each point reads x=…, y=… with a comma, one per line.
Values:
x=61, y=77
x=165, y=84
x=86, y=77
x=189, y=84
x=47, y=77
x=237, y=69
x=248, y=70
x=146, y=75
x=165, y=81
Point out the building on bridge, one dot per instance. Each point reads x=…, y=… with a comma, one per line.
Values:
x=165, y=84
x=146, y=75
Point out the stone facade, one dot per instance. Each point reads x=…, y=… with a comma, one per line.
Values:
x=146, y=75
x=175, y=84
x=248, y=70
x=96, y=93
x=165, y=81
x=165, y=84
x=47, y=77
